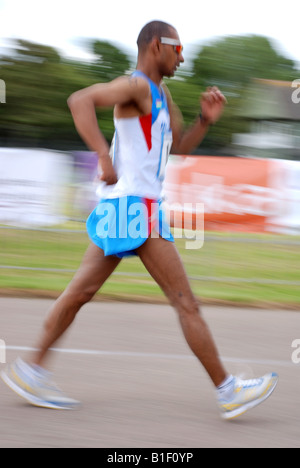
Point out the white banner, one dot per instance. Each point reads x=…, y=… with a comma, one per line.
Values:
x=286, y=178
x=32, y=185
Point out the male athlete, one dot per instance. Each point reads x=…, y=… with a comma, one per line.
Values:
x=147, y=125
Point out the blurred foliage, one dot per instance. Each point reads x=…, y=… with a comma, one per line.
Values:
x=110, y=62
x=39, y=82
x=231, y=63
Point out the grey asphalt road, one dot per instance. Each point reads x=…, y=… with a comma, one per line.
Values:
x=139, y=384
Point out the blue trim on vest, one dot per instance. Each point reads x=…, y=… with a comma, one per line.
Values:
x=159, y=99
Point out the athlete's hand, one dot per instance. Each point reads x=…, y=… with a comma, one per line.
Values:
x=212, y=105
x=106, y=171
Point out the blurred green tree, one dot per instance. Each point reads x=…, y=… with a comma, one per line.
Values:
x=231, y=63
x=110, y=61
x=39, y=81
x=38, y=84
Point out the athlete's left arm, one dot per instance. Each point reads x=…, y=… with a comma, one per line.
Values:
x=212, y=104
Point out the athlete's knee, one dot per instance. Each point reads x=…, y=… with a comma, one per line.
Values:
x=85, y=296
x=186, y=305
x=80, y=297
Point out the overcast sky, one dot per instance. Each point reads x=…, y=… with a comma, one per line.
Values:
x=61, y=22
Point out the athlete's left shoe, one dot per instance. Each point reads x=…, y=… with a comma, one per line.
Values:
x=246, y=394
x=36, y=387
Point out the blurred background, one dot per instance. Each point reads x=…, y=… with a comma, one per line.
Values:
x=246, y=171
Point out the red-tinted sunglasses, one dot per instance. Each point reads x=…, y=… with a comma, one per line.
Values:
x=178, y=47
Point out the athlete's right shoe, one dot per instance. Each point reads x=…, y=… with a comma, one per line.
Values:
x=36, y=387
x=246, y=394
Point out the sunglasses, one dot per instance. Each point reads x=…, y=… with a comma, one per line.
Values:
x=178, y=47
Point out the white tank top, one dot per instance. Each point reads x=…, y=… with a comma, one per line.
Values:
x=140, y=150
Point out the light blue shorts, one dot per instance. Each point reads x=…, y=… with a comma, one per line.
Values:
x=120, y=225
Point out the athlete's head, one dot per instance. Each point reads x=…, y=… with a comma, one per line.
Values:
x=152, y=30
x=162, y=41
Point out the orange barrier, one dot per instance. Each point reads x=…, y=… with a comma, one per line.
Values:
x=239, y=194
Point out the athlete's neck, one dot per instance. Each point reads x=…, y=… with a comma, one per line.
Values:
x=150, y=72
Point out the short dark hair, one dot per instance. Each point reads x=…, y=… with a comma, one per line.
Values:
x=151, y=30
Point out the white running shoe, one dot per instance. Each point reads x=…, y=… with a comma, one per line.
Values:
x=35, y=386
x=246, y=394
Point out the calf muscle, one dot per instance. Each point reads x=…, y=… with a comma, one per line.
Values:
x=163, y=262
x=91, y=275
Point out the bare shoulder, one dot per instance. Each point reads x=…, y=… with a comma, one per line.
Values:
x=137, y=97
x=138, y=83
x=136, y=88
x=121, y=90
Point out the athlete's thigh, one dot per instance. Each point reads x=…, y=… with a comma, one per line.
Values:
x=94, y=270
x=163, y=262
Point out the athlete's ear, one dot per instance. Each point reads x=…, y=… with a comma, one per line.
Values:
x=155, y=45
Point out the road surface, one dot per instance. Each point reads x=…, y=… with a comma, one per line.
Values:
x=139, y=384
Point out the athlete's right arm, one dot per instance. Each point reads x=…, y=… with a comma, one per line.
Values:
x=83, y=106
